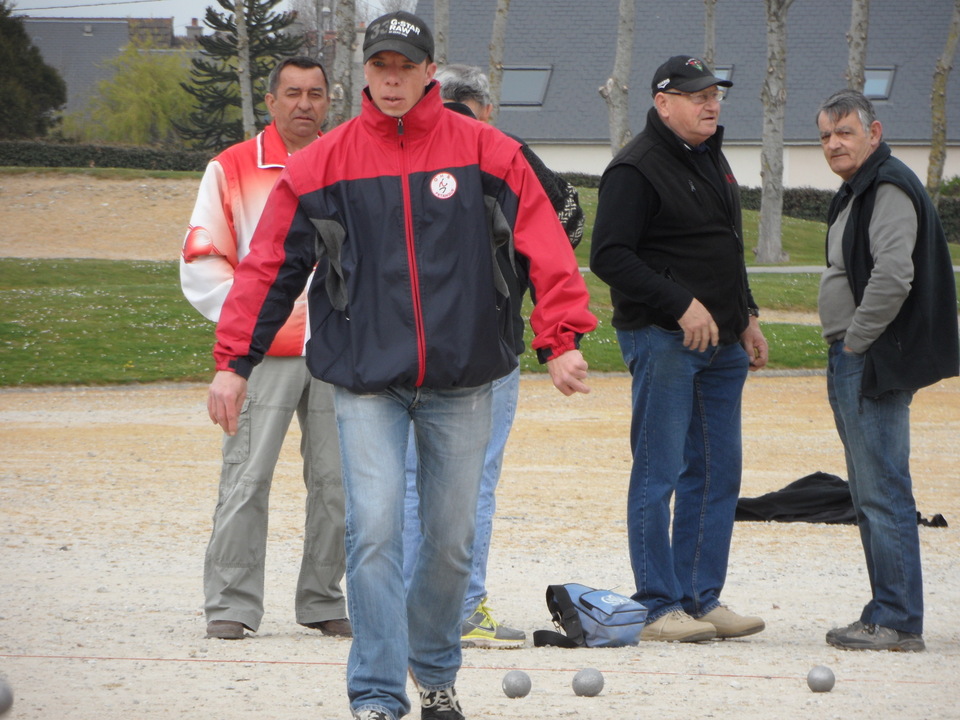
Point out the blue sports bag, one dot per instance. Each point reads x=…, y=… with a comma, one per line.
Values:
x=586, y=617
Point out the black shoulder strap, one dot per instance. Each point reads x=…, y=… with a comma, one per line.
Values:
x=565, y=617
x=544, y=638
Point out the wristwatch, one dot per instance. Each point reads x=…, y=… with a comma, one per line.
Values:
x=753, y=312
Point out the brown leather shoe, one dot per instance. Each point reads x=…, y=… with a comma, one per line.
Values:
x=339, y=627
x=225, y=630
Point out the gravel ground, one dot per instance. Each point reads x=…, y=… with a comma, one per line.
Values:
x=106, y=496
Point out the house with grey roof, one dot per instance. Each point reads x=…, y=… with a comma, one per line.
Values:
x=79, y=48
x=559, y=52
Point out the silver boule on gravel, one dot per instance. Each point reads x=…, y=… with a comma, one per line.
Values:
x=516, y=684
x=821, y=678
x=588, y=682
x=6, y=697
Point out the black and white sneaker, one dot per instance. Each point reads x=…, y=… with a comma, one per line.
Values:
x=440, y=705
x=371, y=715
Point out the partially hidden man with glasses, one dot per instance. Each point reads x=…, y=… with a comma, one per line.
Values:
x=668, y=241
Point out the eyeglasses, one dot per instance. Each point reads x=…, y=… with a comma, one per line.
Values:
x=701, y=98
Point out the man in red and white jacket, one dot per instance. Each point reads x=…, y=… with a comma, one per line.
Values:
x=232, y=197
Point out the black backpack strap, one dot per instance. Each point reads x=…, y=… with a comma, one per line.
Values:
x=545, y=638
x=565, y=617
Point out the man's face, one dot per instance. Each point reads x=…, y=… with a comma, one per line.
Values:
x=692, y=116
x=846, y=144
x=300, y=105
x=396, y=82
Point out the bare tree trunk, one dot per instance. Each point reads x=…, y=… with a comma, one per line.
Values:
x=710, y=33
x=497, y=41
x=857, y=42
x=938, y=107
x=341, y=91
x=441, y=30
x=243, y=70
x=774, y=99
x=389, y=6
x=615, y=90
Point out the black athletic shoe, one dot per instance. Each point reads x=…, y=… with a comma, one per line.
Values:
x=440, y=705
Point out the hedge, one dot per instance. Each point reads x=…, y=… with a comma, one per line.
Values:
x=806, y=203
x=809, y=203
x=29, y=153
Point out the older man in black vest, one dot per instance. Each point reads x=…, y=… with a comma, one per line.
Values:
x=888, y=308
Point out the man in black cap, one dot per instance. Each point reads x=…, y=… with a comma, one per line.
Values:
x=401, y=210
x=668, y=241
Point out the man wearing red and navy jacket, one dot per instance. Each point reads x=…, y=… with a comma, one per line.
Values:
x=401, y=210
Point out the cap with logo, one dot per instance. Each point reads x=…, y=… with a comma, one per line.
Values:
x=400, y=32
x=685, y=73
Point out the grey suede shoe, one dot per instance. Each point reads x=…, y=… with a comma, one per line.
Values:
x=860, y=636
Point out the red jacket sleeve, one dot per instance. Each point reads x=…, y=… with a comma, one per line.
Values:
x=561, y=312
x=266, y=283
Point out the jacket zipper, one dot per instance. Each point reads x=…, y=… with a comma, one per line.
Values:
x=412, y=258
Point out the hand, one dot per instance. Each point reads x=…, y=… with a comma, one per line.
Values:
x=568, y=372
x=225, y=400
x=755, y=345
x=699, y=329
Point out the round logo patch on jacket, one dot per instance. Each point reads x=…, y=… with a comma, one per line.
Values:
x=443, y=185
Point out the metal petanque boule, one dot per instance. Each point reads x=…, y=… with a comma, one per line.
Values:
x=6, y=697
x=588, y=682
x=821, y=679
x=516, y=684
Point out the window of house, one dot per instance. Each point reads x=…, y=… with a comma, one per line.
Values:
x=724, y=72
x=524, y=85
x=878, y=82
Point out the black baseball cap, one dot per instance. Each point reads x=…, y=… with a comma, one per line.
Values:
x=685, y=73
x=400, y=32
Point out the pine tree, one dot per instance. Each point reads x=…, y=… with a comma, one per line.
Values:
x=216, y=121
x=30, y=90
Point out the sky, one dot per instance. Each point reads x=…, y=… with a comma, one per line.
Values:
x=182, y=11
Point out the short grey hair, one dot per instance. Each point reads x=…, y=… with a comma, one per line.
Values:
x=303, y=62
x=460, y=83
x=844, y=102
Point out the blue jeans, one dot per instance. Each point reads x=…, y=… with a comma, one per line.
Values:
x=685, y=439
x=876, y=442
x=506, y=390
x=419, y=629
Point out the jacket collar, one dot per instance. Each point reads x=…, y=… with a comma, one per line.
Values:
x=419, y=121
x=864, y=177
x=271, y=150
x=674, y=141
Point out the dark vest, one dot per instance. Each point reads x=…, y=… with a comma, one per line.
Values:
x=695, y=238
x=921, y=346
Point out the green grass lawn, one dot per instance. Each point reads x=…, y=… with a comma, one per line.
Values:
x=98, y=322
x=94, y=322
